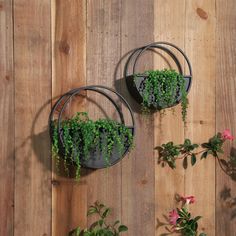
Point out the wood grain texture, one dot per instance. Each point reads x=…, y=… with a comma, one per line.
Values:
x=68, y=39
x=225, y=111
x=69, y=198
x=69, y=206
x=89, y=40
x=6, y=119
x=32, y=91
x=103, y=53
x=200, y=48
x=138, y=175
x=169, y=126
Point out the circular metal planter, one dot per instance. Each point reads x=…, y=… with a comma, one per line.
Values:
x=136, y=82
x=96, y=160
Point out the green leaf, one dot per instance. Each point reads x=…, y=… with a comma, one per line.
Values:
x=100, y=222
x=197, y=218
x=122, y=228
x=193, y=159
x=92, y=210
x=75, y=232
x=204, y=155
x=193, y=225
x=116, y=222
x=185, y=163
x=106, y=213
x=187, y=141
x=101, y=205
x=202, y=234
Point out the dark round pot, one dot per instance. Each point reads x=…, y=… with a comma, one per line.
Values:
x=136, y=83
x=95, y=160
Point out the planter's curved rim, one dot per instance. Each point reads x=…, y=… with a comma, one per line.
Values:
x=138, y=97
x=96, y=88
x=139, y=51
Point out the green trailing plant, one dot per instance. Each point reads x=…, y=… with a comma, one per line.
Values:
x=82, y=137
x=100, y=227
x=181, y=221
x=169, y=152
x=161, y=89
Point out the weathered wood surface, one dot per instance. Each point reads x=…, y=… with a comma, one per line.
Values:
x=32, y=71
x=103, y=53
x=69, y=198
x=6, y=119
x=200, y=47
x=168, y=126
x=226, y=112
x=138, y=170
x=58, y=45
x=201, y=119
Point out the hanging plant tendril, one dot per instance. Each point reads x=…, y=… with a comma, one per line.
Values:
x=82, y=137
x=161, y=88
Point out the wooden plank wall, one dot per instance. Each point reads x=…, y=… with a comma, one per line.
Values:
x=138, y=176
x=200, y=43
x=6, y=119
x=225, y=112
x=168, y=126
x=48, y=47
x=68, y=71
x=103, y=52
x=32, y=73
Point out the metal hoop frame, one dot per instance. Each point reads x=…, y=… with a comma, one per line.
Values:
x=95, y=88
x=141, y=50
x=138, y=52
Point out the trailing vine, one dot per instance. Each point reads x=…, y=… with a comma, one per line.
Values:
x=82, y=137
x=161, y=88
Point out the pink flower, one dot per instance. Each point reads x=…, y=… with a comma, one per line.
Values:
x=227, y=135
x=173, y=217
x=188, y=199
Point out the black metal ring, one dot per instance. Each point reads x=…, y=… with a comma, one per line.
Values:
x=139, y=51
x=135, y=55
x=162, y=48
x=96, y=88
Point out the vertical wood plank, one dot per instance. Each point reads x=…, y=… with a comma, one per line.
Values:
x=32, y=61
x=69, y=198
x=6, y=119
x=168, y=127
x=138, y=170
x=69, y=206
x=200, y=47
x=69, y=40
x=225, y=111
x=103, y=54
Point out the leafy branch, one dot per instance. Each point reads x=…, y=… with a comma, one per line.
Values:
x=100, y=227
x=169, y=153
